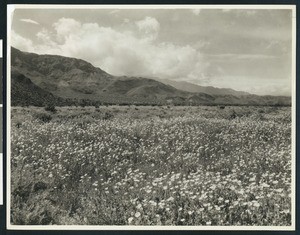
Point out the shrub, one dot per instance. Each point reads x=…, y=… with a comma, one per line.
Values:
x=44, y=117
x=108, y=116
x=51, y=108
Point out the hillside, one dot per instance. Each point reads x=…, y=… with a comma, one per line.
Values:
x=25, y=92
x=39, y=79
x=189, y=87
x=76, y=79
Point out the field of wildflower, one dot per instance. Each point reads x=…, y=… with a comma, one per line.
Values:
x=128, y=165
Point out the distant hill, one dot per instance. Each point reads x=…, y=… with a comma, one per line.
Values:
x=39, y=79
x=189, y=87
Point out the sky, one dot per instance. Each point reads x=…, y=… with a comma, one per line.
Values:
x=243, y=49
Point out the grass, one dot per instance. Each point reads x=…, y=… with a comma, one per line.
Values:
x=122, y=165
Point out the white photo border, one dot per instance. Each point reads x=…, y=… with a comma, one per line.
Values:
x=292, y=227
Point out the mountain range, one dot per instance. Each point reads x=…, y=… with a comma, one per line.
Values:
x=190, y=87
x=58, y=80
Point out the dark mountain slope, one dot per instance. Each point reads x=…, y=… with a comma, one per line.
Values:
x=24, y=92
x=62, y=76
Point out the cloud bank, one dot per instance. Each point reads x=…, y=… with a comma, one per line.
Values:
x=133, y=53
x=243, y=50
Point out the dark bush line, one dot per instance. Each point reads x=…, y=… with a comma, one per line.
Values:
x=51, y=107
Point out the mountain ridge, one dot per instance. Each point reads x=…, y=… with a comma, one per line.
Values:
x=69, y=79
x=194, y=88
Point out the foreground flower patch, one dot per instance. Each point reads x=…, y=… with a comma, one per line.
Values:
x=151, y=166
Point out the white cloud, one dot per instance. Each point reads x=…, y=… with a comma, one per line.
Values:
x=132, y=53
x=242, y=56
x=66, y=27
x=283, y=89
x=29, y=21
x=47, y=42
x=20, y=42
x=44, y=36
x=252, y=84
x=149, y=27
x=201, y=44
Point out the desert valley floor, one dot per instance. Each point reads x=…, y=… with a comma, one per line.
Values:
x=144, y=165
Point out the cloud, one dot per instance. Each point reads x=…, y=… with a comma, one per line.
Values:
x=270, y=88
x=241, y=44
x=47, y=43
x=243, y=56
x=29, y=21
x=253, y=84
x=201, y=44
x=20, y=42
x=149, y=27
x=133, y=52
x=66, y=27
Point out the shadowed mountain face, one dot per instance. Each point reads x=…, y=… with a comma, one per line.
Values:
x=55, y=79
x=25, y=92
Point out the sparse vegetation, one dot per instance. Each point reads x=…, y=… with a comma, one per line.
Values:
x=50, y=108
x=44, y=117
x=151, y=166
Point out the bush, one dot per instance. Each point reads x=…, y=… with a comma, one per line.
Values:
x=51, y=108
x=108, y=116
x=44, y=117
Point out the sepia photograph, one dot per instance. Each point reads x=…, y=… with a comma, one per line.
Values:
x=171, y=117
